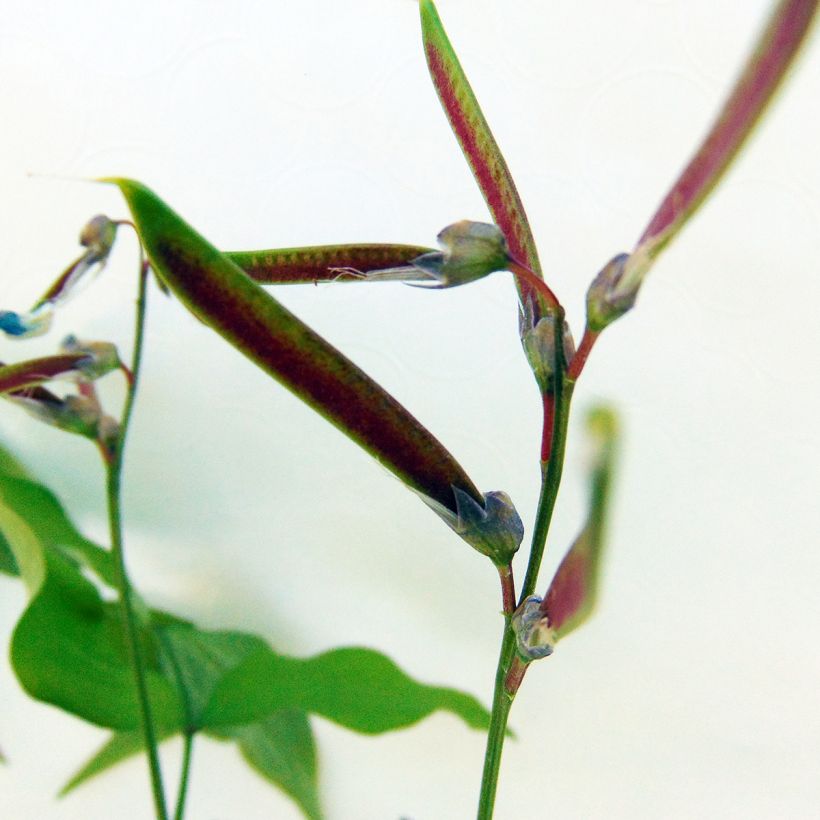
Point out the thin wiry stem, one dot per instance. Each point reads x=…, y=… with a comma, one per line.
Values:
x=114, y=464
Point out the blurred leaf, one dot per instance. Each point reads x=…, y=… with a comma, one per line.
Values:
x=768, y=64
x=281, y=748
x=8, y=566
x=358, y=688
x=218, y=292
x=322, y=263
x=475, y=138
x=573, y=593
x=67, y=647
x=52, y=528
x=118, y=748
x=198, y=660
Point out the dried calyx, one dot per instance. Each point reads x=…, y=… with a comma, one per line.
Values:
x=534, y=636
x=538, y=338
x=494, y=529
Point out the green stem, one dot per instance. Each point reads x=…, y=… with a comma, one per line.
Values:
x=556, y=411
x=114, y=475
x=550, y=482
x=183, y=778
x=502, y=702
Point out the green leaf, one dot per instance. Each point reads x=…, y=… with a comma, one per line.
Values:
x=357, y=688
x=52, y=528
x=222, y=296
x=322, y=263
x=763, y=73
x=280, y=746
x=573, y=593
x=120, y=747
x=475, y=138
x=8, y=566
x=282, y=750
x=197, y=660
x=67, y=647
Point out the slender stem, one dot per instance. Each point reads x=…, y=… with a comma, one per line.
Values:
x=580, y=357
x=502, y=702
x=515, y=675
x=550, y=482
x=548, y=426
x=524, y=274
x=183, y=778
x=190, y=728
x=505, y=573
x=114, y=475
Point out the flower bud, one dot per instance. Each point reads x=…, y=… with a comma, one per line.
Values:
x=470, y=251
x=533, y=635
x=612, y=292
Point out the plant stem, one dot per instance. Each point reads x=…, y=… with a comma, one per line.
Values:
x=505, y=573
x=502, y=702
x=581, y=355
x=114, y=475
x=550, y=482
x=183, y=778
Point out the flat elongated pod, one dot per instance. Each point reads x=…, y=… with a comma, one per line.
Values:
x=475, y=138
x=222, y=296
x=323, y=263
x=16, y=377
x=762, y=75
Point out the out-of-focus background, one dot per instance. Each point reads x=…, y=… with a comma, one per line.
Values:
x=693, y=692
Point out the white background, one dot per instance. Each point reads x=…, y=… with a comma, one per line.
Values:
x=693, y=692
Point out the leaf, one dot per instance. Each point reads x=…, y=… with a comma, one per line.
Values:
x=8, y=566
x=357, y=688
x=216, y=291
x=43, y=513
x=767, y=66
x=475, y=138
x=119, y=747
x=67, y=648
x=198, y=660
x=281, y=748
x=573, y=593
x=322, y=263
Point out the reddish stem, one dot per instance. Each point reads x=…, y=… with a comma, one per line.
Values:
x=580, y=357
x=549, y=424
x=505, y=573
x=514, y=677
x=534, y=281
